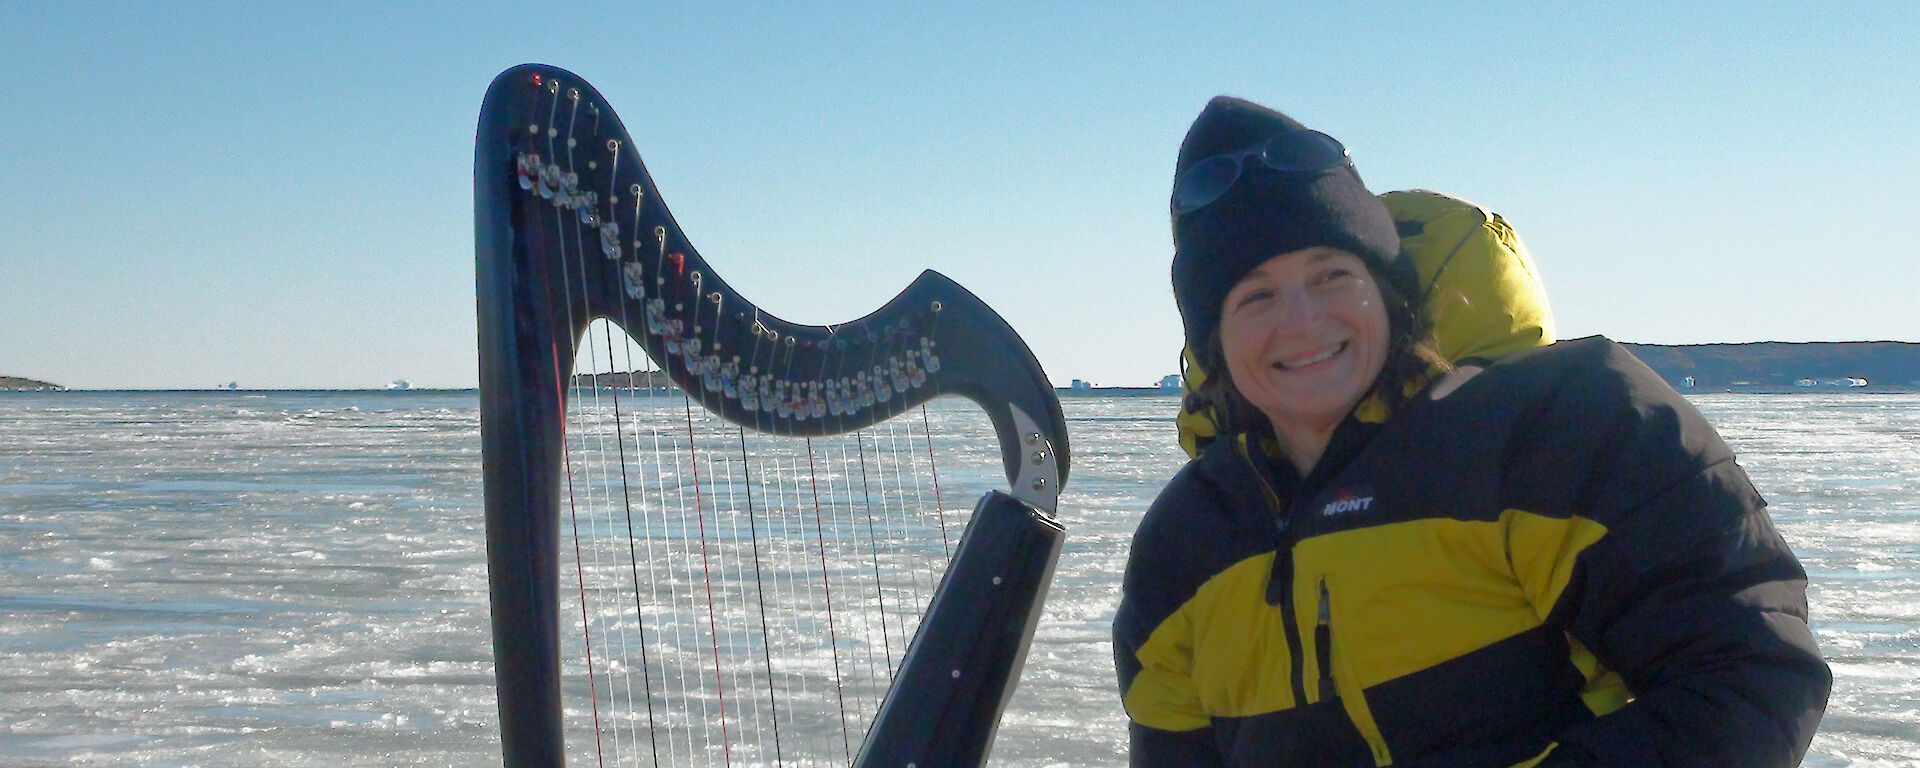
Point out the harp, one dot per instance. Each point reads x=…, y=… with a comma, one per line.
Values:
x=746, y=653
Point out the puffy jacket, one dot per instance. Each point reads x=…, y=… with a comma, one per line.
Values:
x=1442, y=588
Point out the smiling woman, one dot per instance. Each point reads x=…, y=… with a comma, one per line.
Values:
x=1542, y=558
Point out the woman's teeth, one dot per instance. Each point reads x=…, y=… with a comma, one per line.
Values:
x=1301, y=363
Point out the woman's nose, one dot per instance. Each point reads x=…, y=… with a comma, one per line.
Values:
x=1300, y=307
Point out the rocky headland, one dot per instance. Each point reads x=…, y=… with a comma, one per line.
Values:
x=1779, y=366
x=16, y=383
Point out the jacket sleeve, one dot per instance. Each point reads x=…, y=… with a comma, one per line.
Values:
x=1167, y=724
x=1688, y=591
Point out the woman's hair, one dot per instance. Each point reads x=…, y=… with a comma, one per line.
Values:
x=1410, y=356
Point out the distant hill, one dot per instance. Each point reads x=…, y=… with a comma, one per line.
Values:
x=1780, y=365
x=653, y=380
x=16, y=383
x=1760, y=365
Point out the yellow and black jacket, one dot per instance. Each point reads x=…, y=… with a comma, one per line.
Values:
x=1443, y=587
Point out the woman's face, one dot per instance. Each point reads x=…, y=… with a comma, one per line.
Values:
x=1304, y=335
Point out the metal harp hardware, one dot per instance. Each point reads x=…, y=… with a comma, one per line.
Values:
x=569, y=228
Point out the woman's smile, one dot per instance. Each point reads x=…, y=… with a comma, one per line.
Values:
x=1304, y=336
x=1302, y=362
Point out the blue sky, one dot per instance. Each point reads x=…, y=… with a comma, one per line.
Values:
x=280, y=194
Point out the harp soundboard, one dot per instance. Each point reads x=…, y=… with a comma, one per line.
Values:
x=731, y=548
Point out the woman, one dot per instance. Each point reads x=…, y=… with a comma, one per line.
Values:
x=1551, y=560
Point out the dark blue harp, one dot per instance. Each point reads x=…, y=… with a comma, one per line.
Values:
x=745, y=613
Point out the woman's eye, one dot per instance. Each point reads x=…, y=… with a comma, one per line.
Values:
x=1253, y=297
x=1334, y=276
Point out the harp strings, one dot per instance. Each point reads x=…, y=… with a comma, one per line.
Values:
x=574, y=494
x=756, y=614
x=740, y=597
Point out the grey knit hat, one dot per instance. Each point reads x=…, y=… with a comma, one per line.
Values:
x=1267, y=213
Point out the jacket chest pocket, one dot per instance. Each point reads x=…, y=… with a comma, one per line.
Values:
x=1335, y=680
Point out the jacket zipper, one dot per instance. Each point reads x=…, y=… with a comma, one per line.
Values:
x=1357, y=711
x=1280, y=592
x=1323, y=645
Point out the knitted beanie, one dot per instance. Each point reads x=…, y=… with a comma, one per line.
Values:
x=1267, y=213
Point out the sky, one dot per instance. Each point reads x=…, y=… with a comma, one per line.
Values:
x=280, y=194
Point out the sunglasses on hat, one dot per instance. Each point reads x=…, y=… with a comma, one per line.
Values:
x=1303, y=151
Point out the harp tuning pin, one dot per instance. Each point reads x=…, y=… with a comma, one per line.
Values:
x=1039, y=456
x=547, y=180
x=573, y=94
x=634, y=277
x=613, y=145
x=1040, y=484
x=714, y=296
x=610, y=240
x=695, y=277
x=936, y=306
x=527, y=169
x=1033, y=438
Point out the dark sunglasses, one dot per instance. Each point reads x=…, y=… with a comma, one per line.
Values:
x=1305, y=151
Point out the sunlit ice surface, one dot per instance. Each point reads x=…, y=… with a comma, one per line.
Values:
x=299, y=579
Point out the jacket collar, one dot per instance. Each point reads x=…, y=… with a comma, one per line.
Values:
x=1249, y=468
